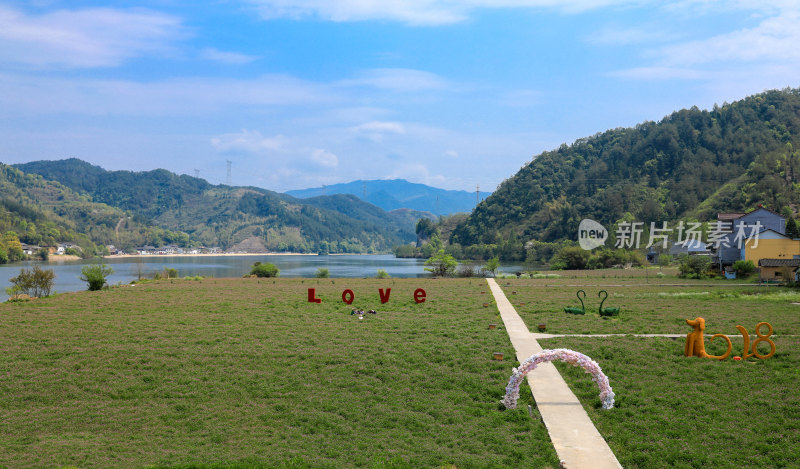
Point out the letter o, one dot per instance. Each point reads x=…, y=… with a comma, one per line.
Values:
x=348, y=296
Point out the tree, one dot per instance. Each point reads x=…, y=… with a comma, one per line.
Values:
x=264, y=270
x=383, y=274
x=37, y=282
x=95, y=275
x=13, y=247
x=441, y=264
x=492, y=265
x=792, y=228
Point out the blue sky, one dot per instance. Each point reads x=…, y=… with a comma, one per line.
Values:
x=300, y=93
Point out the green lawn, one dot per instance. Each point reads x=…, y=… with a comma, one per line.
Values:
x=246, y=370
x=674, y=411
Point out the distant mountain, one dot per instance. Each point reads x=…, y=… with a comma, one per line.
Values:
x=234, y=216
x=392, y=194
x=690, y=165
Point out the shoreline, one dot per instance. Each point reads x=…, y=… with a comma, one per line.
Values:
x=238, y=254
x=59, y=259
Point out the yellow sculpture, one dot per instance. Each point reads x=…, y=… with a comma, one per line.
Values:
x=695, y=346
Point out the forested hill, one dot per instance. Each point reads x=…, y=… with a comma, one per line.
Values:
x=691, y=164
x=227, y=216
x=39, y=212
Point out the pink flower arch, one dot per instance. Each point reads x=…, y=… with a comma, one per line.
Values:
x=565, y=355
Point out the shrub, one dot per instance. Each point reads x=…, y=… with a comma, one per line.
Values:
x=383, y=274
x=469, y=270
x=36, y=282
x=264, y=270
x=744, y=268
x=694, y=267
x=322, y=272
x=572, y=258
x=95, y=275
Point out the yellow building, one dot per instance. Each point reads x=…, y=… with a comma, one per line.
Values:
x=771, y=245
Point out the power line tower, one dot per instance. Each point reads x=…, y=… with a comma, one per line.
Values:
x=228, y=179
x=197, y=173
x=364, y=189
x=477, y=194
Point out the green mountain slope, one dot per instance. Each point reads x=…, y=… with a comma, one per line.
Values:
x=226, y=216
x=46, y=213
x=691, y=164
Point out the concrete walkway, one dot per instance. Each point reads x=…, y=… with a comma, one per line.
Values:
x=575, y=438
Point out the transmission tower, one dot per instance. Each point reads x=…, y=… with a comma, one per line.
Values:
x=228, y=179
x=477, y=194
x=364, y=188
x=197, y=173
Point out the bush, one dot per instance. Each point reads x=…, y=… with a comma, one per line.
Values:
x=264, y=270
x=95, y=275
x=322, y=272
x=469, y=270
x=744, y=268
x=35, y=283
x=694, y=267
x=572, y=258
x=383, y=274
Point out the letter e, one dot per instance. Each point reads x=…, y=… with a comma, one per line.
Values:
x=419, y=295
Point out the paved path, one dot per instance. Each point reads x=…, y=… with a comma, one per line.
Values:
x=575, y=438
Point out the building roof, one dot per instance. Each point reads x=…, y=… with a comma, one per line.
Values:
x=761, y=207
x=729, y=216
x=779, y=262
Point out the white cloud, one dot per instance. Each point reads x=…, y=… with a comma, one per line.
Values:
x=451, y=153
x=398, y=79
x=233, y=58
x=627, y=36
x=30, y=94
x=414, y=12
x=248, y=141
x=99, y=37
x=775, y=38
x=325, y=158
x=661, y=73
x=376, y=130
x=771, y=43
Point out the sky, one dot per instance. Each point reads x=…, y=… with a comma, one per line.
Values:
x=305, y=93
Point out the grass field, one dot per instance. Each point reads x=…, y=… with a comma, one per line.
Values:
x=674, y=411
x=247, y=372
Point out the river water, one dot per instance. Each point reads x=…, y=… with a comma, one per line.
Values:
x=127, y=269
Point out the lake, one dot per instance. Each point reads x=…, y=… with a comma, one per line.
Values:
x=127, y=269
